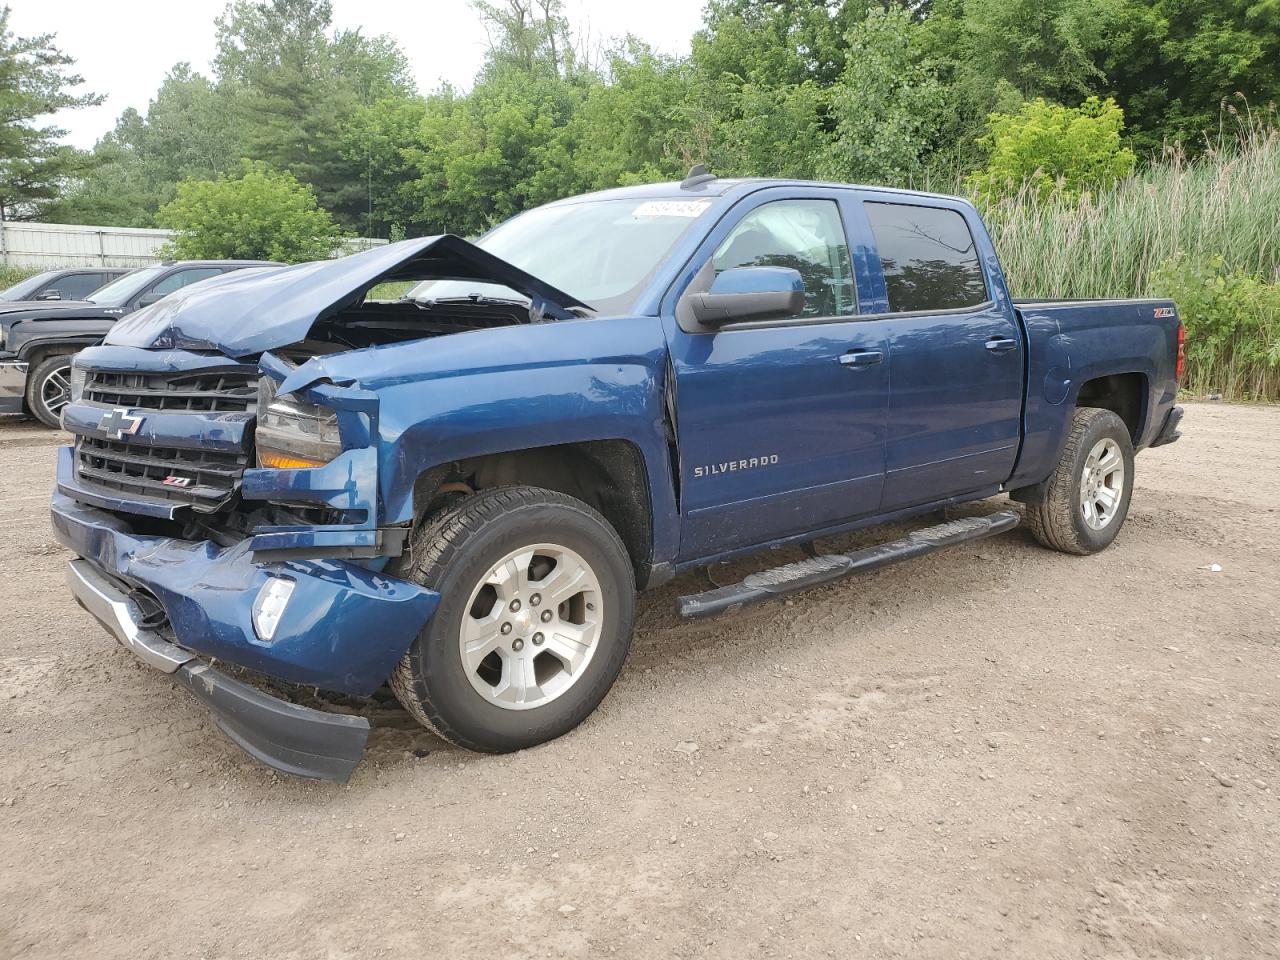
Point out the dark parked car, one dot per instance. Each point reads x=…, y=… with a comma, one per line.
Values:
x=38, y=339
x=457, y=493
x=74, y=283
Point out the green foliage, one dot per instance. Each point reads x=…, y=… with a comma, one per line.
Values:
x=1232, y=321
x=1172, y=63
x=260, y=215
x=1109, y=243
x=34, y=82
x=883, y=103
x=901, y=92
x=297, y=93
x=11, y=275
x=1046, y=148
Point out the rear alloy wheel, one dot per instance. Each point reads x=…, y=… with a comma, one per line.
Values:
x=537, y=598
x=1102, y=484
x=1082, y=506
x=49, y=389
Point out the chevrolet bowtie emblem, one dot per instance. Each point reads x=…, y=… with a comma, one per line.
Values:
x=118, y=423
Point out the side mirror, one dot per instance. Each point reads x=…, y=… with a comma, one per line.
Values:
x=750, y=293
x=147, y=299
x=50, y=295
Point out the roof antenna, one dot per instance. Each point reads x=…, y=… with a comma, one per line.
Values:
x=698, y=175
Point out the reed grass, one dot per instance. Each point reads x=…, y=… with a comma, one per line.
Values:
x=1205, y=231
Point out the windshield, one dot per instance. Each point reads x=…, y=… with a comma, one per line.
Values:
x=600, y=251
x=24, y=288
x=117, y=292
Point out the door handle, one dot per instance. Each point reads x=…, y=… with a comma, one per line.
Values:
x=1001, y=344
x=861, y=358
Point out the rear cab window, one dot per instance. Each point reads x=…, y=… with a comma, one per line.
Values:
x=928, y=257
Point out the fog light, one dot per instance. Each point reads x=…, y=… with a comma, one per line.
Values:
x=268, y=608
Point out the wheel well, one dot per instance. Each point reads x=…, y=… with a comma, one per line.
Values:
x=1124, y=394
x=41, y=352
x=605, y=474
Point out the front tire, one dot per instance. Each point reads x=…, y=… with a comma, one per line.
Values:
x=1085, y=501
x=49, y=389
x=537, y=600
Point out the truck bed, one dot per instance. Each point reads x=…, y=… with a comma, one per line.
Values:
x=1072, y=342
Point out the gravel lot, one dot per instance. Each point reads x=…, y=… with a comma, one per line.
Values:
x=995, y=751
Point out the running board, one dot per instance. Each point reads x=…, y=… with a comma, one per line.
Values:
x=824, y=568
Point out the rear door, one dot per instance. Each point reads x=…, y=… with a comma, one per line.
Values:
x=955, y=402
x=779, y=430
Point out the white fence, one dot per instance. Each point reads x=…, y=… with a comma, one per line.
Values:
x=48, y=245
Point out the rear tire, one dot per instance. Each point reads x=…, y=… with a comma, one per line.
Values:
x=1085, y=501
x=49, y=389
x=537, y=599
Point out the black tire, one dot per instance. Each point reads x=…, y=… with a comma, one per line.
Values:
x=45, y=394
x=452, y=554
x=1057, y=518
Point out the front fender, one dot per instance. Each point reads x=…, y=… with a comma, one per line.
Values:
x=515, y=388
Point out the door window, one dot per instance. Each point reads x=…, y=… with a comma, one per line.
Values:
x=77, y=286
x=806, y=235
x=928, y=257
x=181, y=278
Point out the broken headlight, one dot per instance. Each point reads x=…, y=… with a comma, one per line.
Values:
x=294, y=435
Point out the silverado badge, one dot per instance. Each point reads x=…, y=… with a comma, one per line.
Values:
x=118, y=423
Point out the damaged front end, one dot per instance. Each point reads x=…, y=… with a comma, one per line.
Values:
x=222, y=490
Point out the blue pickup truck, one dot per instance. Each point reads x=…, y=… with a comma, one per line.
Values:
x=457, y=491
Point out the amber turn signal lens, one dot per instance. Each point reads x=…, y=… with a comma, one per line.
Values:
x=286, y=461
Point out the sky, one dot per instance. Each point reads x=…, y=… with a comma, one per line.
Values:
x=123, y=49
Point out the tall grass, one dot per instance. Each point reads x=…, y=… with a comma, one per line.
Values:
x=11, y=275
x=1206, y=231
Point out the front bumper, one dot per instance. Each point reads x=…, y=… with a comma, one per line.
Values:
x=294, y=739
x=13, y=385
x=344, y=628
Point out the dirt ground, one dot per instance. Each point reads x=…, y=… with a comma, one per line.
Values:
x=996, y=751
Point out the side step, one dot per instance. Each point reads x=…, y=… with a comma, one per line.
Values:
x=825, y=568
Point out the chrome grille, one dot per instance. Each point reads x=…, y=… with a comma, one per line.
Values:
x=159, y=472
x=160, y=462
x=207, y=391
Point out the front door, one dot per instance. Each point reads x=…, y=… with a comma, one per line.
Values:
x=780, y=423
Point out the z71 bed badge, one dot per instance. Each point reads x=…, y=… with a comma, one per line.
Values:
x=1163, y=313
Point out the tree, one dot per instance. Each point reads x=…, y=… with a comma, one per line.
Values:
x=531, y=36
x=260, y=215
x=1171, y=64
x=883, y=105
x=1049, y=148
x=34, y=81
x=298, y=94
x=634, y=124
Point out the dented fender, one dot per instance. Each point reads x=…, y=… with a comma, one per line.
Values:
x=435, y=401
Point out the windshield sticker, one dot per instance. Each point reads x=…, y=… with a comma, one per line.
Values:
x=671, y=208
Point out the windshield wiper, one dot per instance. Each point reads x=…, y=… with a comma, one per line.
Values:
x=469, y=298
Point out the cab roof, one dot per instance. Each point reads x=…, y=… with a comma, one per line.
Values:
x=734, y=187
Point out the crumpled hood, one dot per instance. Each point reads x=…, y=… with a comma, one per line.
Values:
x=249, y=312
